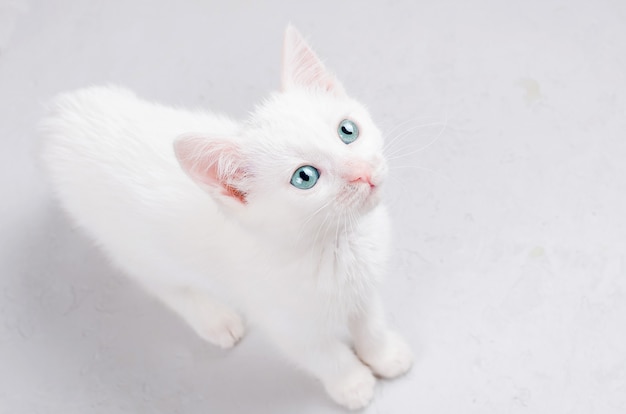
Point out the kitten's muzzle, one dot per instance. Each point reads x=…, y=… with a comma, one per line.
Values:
x=360, y=172
x=365, y=179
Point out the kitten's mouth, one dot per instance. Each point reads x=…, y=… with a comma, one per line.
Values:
x=373, y=198
x=360, y=196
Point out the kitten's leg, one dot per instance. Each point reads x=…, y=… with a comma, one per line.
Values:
x=383, y=350
x=211, y=319
x=346, y=379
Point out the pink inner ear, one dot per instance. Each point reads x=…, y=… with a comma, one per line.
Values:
x=235, y=193
x=214, y=165
x=301, y=66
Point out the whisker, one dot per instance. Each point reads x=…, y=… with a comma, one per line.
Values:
x=417, y=167
x=398, y=125
x=303, y=225
x=422, y=148
x=355, y=216
x=337, y=235
x=404, y=134
x=313, y=250
x=315, y=213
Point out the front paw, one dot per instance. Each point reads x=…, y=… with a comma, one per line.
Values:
x=391, y=359
x=223, y=329
x=354, y=390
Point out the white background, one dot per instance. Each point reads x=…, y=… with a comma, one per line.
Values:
x=509, y=202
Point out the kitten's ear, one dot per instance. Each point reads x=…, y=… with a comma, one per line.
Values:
x=302, y=68
x=216, y=165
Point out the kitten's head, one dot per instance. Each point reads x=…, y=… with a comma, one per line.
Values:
x=309, y=156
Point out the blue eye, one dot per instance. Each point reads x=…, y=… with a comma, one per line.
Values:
x=305, y=177
x=348, y=131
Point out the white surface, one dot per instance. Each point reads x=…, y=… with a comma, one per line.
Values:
x=510, y=267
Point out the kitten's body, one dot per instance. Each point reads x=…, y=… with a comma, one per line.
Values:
x=300, y=270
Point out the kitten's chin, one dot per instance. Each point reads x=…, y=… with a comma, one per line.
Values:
x=364, y=200
x=371, y=201
x=360, y=197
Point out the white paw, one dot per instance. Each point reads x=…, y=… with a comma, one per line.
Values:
x=223, y=330
x=355, y=390
x=392, y=360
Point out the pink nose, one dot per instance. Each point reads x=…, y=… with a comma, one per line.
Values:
x=364, y=179
x=359, y=172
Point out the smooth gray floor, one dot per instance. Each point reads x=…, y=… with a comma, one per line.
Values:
x=508, y=194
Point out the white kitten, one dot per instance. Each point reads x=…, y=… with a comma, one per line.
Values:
x=279, y=216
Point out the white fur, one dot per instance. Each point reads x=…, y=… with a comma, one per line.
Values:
x=199, y=210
